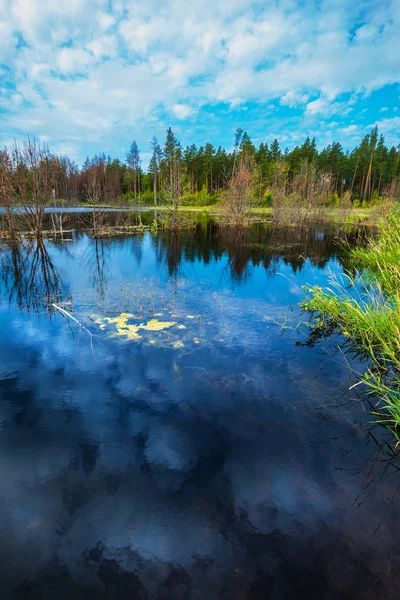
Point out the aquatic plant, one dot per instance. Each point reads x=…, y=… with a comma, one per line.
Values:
x=130, y=331
x=366, y=309
x=154, y=325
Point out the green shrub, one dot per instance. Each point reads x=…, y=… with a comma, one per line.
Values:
x=202, y=198
x=267, y=200
x=147, y=198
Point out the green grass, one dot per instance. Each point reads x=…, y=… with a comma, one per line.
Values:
x=381, y=259
x=369, y=318
x=365, y=307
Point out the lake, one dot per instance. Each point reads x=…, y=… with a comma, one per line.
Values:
x=170, y=429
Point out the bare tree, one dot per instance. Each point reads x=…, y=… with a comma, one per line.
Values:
x=279, y=182
x=237, y=198
x=171, y=192
x=93, y=192
x=302, y=199
x=35, y=171
x=7, y=191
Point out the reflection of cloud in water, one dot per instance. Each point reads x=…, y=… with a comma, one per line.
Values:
x=147, y=480
x=170, y=448
x=215, y=470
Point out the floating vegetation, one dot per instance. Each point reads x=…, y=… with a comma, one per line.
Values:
x=121, y=326
x=130, y=332
x=120, y=321
x=155, y=332
x=154, y=325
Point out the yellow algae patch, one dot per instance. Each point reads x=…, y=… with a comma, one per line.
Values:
x=181, y=327
x=154, y=325
x=197, y=341
x=100, y=323
x=121, y=320
x=158, y=314
x=130, y=332
x=190, y=317
x=122, y=327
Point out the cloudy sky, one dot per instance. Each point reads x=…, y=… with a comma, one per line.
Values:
x=93, y=75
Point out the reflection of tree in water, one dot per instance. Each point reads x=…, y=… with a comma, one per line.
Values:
x=260, y=244
x=30, y=278
x=234, y=242
x=257, y=245
x=94, y=259
x=137, y=247
x=169, y=247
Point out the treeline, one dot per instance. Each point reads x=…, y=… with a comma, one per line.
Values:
x=370, y=170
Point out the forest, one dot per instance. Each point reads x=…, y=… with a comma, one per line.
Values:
x=201, y=173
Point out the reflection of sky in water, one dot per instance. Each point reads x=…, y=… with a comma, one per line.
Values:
x=231, y=466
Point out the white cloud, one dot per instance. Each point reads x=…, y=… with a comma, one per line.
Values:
x=322, y=106
x=350, y=129
x=105, y=20
x=137, y=61
x=182, y=111
x=316, y=106
x=388, y=126
x=293, y=98
x=105, y=46
x=71, y=60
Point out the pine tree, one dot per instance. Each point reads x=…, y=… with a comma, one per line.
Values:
x=154, y=165
x=133, y=160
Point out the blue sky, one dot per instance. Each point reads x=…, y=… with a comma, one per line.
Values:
x=90, y=76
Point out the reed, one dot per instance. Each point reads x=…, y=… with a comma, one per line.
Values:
x=365, y=307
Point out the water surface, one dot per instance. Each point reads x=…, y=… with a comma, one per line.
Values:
x=199, y=445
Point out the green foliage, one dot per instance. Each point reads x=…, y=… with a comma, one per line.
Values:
x=267, y=200
x=201, y=198
x=128, y=196
x=147, y=198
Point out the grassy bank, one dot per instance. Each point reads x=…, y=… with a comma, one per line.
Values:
x=365, y=306
x=367, y=215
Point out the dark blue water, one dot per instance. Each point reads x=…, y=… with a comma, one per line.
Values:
x=187, y=439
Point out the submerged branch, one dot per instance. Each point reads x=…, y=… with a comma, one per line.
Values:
x=68, y=315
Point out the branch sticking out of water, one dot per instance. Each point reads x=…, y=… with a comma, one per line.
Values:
x=68, y=315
